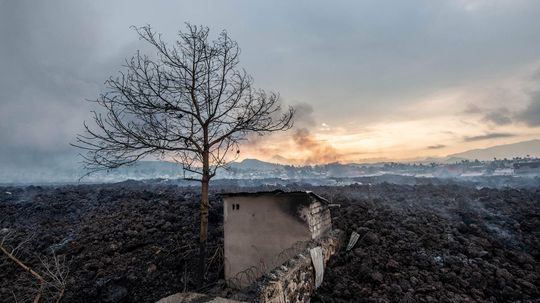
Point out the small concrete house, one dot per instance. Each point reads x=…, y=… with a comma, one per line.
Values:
x=259, y=226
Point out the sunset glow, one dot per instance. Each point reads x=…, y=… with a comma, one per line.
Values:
x=442, y=124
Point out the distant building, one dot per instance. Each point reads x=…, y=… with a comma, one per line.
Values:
x=259, y=226
x=527, y=168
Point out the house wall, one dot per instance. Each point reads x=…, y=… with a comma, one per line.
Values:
x=318, y=218
x=257, y=232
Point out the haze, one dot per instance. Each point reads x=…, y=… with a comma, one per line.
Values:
x=372, y=80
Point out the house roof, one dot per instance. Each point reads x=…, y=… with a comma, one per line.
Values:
x=276, y=193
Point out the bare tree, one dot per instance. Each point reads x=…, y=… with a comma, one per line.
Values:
x=191, y=102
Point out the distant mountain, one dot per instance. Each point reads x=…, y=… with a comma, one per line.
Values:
x=520, y=149
x=68, y=170
x=282, y=160
x=254, y=164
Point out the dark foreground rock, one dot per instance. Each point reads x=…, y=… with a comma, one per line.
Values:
x=124, y=243
x=137, y=242
x=462, y=246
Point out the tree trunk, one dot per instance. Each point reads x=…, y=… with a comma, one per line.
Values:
x=203, y=213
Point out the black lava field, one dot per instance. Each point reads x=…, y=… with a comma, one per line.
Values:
x=138, y=242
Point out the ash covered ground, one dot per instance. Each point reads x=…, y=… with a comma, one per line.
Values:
x=137, y=241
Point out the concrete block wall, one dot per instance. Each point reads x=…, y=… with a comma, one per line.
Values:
x=294, y=281
x=318, y=218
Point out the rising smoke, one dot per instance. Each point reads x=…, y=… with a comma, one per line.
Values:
x=314, y=151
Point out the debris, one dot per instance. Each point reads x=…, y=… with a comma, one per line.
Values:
x=352, y=241
x=317, y=259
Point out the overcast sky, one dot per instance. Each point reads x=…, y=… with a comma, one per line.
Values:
x=372, y=79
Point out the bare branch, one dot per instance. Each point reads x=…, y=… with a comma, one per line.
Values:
x=187, y=99
x=56, y=272
x=10, y=254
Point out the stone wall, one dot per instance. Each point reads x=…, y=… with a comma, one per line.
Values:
x=190, y=297
x=294, y=281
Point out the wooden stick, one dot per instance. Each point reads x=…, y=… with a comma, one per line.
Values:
x=26, y=268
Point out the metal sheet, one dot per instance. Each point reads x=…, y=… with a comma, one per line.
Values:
x=318, y=264
x=353, y=240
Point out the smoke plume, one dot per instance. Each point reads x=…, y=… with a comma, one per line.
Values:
x=316, y=151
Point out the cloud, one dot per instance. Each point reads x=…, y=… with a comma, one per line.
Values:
x=57, y=53
x=503, y=115
x=303, y=118
x=500, y=116
x=488, y=137
x=42, y=58
x=437, y=146
x=303, y=115
x=472, y=109
x=512, y=111
x=51, y=63
x=531, y=115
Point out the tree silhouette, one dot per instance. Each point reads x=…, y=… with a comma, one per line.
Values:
x=191, y=103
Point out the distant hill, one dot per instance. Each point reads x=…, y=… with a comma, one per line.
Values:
x=67, y=170
x=520, y=149
x=70, y=171
x=254, y=164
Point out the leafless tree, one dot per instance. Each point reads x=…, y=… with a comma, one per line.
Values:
x=191, y=102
